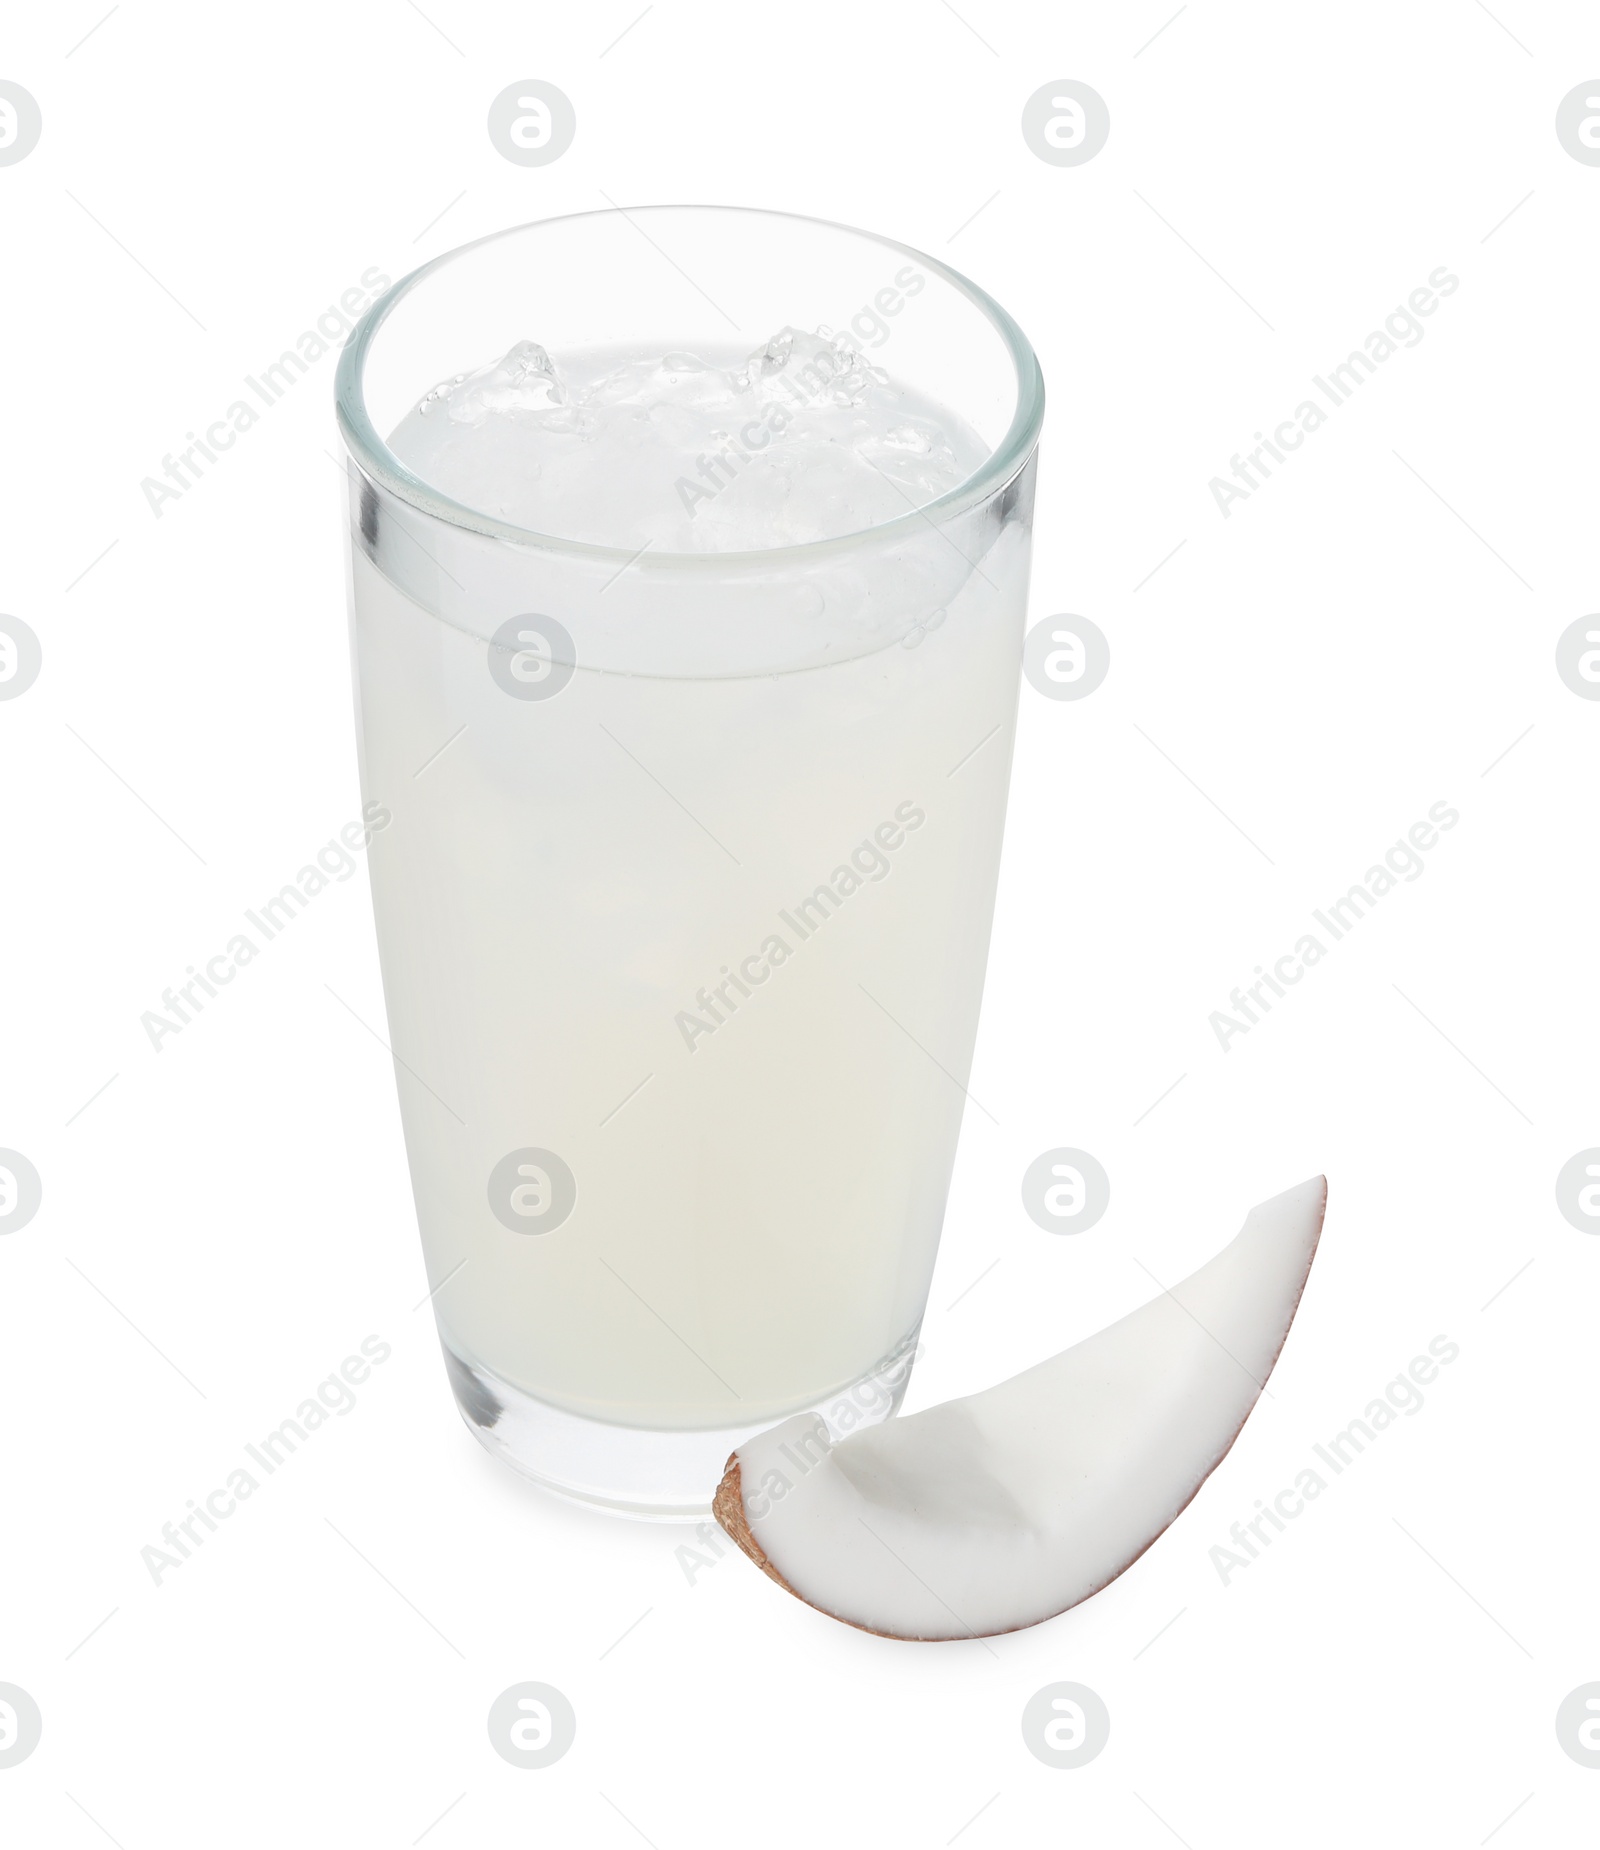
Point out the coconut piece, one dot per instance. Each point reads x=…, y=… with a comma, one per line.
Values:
x=990, y=1513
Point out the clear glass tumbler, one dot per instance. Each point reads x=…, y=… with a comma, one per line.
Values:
x=684, y=903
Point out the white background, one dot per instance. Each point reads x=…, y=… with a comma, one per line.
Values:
x=1364, y=637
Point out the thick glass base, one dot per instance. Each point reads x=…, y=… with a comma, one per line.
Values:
x=650, y=1473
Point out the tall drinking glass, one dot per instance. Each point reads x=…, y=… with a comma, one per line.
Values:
x=684, y=903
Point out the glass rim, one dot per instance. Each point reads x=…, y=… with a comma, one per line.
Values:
x=376, y=460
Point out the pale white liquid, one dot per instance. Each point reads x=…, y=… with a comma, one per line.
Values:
x=756, y=1225
x=716, y=451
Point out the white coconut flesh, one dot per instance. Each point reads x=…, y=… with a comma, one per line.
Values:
x=994, y=1512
